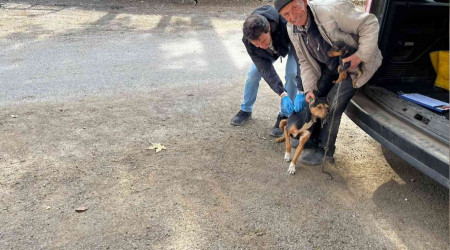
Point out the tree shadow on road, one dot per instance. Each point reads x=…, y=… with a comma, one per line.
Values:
x=107, y=25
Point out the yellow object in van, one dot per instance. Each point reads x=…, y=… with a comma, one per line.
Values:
x=439, y=59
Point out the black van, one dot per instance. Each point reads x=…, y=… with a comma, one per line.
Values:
x=409, y=31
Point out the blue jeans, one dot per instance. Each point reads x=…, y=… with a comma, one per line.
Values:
x=253, y=79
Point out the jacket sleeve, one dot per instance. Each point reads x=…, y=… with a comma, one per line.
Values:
x=308, y=77
x=267, y=71
x=363, y=24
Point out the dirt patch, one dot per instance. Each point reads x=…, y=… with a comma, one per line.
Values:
x=215, y=185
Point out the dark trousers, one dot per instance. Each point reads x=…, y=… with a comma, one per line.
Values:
x=327, y=88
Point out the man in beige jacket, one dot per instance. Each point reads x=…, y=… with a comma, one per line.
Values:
x=313, y=26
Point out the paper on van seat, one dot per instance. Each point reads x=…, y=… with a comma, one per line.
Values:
x=426, y=102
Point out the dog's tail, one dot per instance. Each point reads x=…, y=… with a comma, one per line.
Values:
x=282, y=126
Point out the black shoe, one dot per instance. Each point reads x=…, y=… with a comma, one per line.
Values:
x=294, y=142
x=276, y=131
x=314, y=157
x=311, y=144
x=240, y=118
x=329, y=159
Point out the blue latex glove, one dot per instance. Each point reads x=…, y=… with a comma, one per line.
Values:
x=287, y=107
x=299, y=102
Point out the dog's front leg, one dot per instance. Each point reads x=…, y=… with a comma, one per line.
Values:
x=304, y=136
x=287, y=141
x=342, y=76
x=359, y=73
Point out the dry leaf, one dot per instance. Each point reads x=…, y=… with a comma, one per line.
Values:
x=81, y=209
x=157, y=146
x=259, y=233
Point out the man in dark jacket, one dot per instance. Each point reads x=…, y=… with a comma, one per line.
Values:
x=266, y=39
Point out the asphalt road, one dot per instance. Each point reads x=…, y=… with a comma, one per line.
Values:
x=100, y=58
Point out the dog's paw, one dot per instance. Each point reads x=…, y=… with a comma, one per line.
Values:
x=291, y=169
x=287, y=156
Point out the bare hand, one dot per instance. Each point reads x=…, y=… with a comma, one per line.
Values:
x=310, y=97
x=355, y=61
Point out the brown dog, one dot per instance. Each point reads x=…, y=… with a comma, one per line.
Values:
x=342, y=50
x=299, y=126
